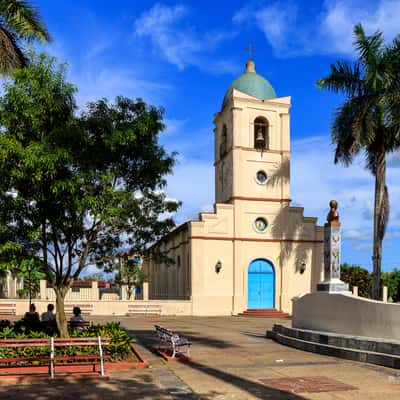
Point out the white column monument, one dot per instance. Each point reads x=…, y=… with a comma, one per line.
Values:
x=332, y=282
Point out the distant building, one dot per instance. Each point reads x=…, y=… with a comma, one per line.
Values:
x=254, y=251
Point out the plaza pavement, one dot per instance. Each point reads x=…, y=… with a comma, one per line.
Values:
x=232, y=360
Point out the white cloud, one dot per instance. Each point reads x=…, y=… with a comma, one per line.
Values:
x=179, y=42
x=109, y=82
x=313, y=185
x=96, y=75
x=353, y=187
x=193, y=183
x=291, y=33
x=173, y=126
x=338, y=21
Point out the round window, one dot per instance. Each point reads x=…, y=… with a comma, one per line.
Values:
x=261, y=177
x=261, y=224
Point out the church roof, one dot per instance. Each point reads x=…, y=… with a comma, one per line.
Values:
x=252, y=84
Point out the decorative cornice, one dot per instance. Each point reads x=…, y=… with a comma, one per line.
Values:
x=274, y=200
x=256, y=239
x=280, y=152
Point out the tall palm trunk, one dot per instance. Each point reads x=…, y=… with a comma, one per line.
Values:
x=380, y=220
x=60, y=312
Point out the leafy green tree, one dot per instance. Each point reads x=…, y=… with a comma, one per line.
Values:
x=354, y=275
x=392, y=281
x=130, y=272
x=365, y=121
x=30, y=270
x=20, y=23
x=74, y=190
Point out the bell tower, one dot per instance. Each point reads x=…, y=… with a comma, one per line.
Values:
x=252, y=145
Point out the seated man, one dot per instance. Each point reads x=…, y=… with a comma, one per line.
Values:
x=31, y=319
x=49, y=314
x=77, y=319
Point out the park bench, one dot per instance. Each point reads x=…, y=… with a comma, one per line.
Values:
x=172, y=342
x=86, y=309
x=79, y=324
x=50, y=357
x=7, y=309
x=144, y=309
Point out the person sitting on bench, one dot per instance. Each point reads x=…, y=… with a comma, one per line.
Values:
x=31, y=319
x=77, y=318
x=49, y=314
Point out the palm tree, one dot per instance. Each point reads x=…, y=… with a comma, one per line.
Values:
x=366, y=120
x=19, y=23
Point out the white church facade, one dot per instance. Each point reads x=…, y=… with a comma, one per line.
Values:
x=254, y=251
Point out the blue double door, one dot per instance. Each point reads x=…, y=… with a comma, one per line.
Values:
x=261, y=284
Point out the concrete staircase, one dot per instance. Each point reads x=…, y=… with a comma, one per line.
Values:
x=371, y=350
x=264, y=313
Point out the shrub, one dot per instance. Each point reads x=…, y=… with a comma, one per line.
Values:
x=392, y=281
x=120, y=341
x=354, y=275
x=118, y=349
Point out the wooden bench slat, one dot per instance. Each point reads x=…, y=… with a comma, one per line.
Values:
x=26, y=344
x=88, y=357
x=58, y=343
x=72, y=344
x=19, y=359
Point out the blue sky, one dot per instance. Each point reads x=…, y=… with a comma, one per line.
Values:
x=183, y=55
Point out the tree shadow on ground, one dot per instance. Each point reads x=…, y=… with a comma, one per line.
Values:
x=257, y=390
x=209, y=341
x=128, y=384
x=149, y=339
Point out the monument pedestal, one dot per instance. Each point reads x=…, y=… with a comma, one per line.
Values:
x=332, y=282
x=334, y=285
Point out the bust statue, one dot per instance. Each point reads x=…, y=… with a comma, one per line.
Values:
x=333, y=215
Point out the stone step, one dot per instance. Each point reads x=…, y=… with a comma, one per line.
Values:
x=344, y=346
x=341, y=340
x=263, y=313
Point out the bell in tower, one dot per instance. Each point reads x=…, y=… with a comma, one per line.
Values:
x=260, y=139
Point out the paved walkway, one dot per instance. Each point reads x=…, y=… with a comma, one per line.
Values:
x=232, y=360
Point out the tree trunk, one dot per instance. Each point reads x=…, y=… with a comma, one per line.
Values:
x=379, y=228
x=60, y=312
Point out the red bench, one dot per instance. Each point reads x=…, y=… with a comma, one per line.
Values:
x=50, y=358
x=79, y=324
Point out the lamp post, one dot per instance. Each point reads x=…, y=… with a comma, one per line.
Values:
x=29, y=287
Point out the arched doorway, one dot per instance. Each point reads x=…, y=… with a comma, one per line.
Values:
x=261, y=285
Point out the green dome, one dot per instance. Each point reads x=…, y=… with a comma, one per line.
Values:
x=252, y=84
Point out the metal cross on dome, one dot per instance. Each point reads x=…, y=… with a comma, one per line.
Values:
x=250, y=49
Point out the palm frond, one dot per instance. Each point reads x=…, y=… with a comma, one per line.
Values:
x=24, y=20
x=391, y=101
x=369, y=48
x=345, y=77
x=353, y=128
x=11, y=56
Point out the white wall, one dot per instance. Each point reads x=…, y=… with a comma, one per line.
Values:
x=119, y=307
x=347, y=314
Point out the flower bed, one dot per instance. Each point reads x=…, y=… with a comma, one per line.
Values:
x=121, y=347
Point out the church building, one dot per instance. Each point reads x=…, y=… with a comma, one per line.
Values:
x=254, y=251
